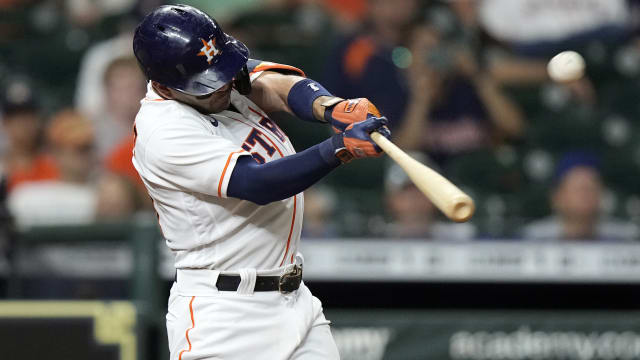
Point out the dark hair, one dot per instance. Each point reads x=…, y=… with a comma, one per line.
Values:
x=573, y=159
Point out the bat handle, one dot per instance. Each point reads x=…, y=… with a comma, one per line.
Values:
x=389, y=148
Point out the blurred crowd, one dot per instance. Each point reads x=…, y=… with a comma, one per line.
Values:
x=463, y=83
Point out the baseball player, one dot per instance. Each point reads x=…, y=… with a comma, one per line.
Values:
x=227, y=186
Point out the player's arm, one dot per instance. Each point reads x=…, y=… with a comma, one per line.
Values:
x=290, y=175
x=308, y=100
x=271, y=90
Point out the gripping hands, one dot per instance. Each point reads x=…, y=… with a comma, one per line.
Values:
x=348, y=112
x=357, y=137
x=353, y=122
x=355, y=141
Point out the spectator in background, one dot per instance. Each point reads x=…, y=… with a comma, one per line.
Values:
x=90, y=92
x=520, y=36
x=319, y=207
x=117, y=199
x=362, y=64
x=73, y=198
x=23, y=160
x=576, y=202
x=267, y=30
x=544, y=27
x=437, y=97
x=70, y=198
x=412, y=215
x=124, y=87
x=454, y=106
x=347, y=14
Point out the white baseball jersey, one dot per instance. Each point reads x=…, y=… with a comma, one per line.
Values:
x=185, y=160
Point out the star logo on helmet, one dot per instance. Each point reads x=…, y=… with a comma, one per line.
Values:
x=209, y=49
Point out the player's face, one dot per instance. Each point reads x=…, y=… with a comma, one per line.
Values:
x=215, y=102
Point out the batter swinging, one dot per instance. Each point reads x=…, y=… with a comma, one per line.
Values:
x=227, y=186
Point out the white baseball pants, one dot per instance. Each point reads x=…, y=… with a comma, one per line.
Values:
x=204, y=323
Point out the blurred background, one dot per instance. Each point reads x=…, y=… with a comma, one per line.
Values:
x=548, y=268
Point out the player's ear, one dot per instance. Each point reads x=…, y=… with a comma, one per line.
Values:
x=162, y=90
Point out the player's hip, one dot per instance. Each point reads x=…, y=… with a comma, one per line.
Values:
x=230, y=325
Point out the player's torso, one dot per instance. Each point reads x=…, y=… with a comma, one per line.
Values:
x=206, y=231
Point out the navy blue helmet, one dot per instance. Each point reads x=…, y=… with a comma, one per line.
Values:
x=185, y=49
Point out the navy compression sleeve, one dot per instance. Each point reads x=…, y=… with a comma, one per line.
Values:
x=285, y=177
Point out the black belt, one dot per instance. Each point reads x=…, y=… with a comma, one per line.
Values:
x=263, y=283
x=286, y=283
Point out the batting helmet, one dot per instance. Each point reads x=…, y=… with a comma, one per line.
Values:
x=185, y=49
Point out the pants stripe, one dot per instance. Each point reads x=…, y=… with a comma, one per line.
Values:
x=193, y=324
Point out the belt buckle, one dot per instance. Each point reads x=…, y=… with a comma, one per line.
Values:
x=290, y=281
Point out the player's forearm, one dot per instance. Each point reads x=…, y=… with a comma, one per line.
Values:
x=282, y=178
x=290, y=175
x=304, y=98
x=270, y=91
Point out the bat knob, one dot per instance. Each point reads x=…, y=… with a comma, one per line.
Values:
x=463, y=209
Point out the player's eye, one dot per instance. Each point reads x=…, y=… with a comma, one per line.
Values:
x=205, y=96
x=221, y=90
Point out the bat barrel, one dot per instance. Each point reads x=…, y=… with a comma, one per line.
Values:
x=454, y=203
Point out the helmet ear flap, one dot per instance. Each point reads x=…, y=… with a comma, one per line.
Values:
x=242, y=82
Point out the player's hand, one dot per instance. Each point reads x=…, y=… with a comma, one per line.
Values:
x=349, y=111
x=357, y=137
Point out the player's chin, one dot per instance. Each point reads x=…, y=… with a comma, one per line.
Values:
x=220, y=104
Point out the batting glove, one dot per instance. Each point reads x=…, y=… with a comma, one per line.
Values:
x=357, y=137
x=350, y=111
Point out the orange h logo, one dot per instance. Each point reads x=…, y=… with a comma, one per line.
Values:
x=209, y=49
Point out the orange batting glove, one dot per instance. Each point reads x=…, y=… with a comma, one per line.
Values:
x=350, y=111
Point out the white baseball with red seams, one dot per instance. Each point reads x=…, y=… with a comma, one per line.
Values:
x=566, y=66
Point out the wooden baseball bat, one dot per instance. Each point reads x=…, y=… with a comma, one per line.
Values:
x=454, y=203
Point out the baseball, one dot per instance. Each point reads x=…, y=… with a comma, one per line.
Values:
x=566, y=66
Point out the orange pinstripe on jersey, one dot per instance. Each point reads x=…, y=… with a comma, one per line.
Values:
x=224, y=171
x=193, y=325
x=293, y=220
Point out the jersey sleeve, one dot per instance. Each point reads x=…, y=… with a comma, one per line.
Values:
x=190, y=158
x=256, y=67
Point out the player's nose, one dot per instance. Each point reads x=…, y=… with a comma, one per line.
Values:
x=224, y=88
